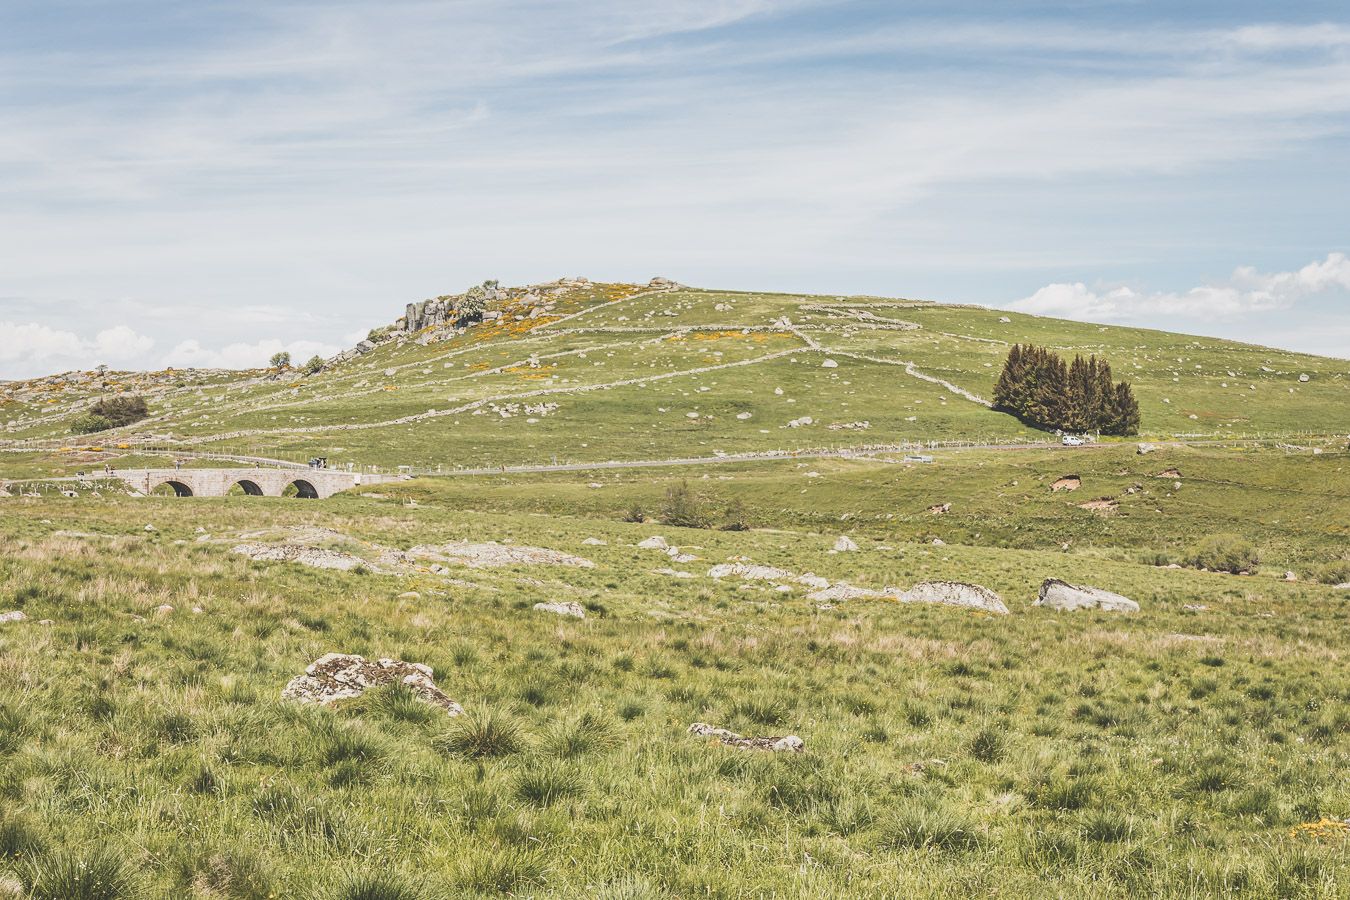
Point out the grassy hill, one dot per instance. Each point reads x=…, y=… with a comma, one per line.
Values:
x=631, y=372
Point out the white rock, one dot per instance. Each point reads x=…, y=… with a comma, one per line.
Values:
x=845, y=544
x=164, y=610
x=567, y=608
x=1304, y=379
x=151, y=528
x=594, y=542
x=14, y=615
x=829, y=364
x=1061, y=595
x=955, y=593
x=655, y=542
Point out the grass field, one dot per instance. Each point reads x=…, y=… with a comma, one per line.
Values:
x=1196, y=748
x=1173, y=752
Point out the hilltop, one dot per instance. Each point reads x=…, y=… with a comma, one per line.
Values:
x=584, y=371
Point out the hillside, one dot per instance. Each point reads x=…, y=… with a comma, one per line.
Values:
x=583, y=372
x=543, y=656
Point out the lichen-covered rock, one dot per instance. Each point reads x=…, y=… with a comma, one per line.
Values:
x=655, y=542
x=750, y=572
x=568, y=608
x=493, y=555
x=1056, y=594
x=786, y=744
x=13, y=615
x=842, y=590
x=315, y=557
x=955, y=593
x=344, y=676
x=844, y=544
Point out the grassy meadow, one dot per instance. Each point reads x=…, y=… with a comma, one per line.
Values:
x=1177, y=752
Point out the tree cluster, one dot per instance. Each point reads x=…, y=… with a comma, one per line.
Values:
x=111, y=412
x=1038, y=387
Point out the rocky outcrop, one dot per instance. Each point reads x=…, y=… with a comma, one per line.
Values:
x=955, y=593
x=786, y=744
x=343, y=676
x=568, y=608
x=1061, y=595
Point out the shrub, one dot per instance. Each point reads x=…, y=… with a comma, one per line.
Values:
x=635, y=513
x=920, y=826
x=64, y=876
x=683, y=507
x=482, y=735
x=373, y=886
x=89, y=423
x=1224, y=553
x=1335, y=572
x=548, y=783
x=314, y=365
x=280, y=360
x=736, y=517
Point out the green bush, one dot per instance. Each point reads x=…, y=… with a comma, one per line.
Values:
x=1335, y=572
x=684, y=507
x=482, y=735
x=1224, y=553
x=89, y=423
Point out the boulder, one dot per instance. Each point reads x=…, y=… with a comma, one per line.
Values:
x=568, y=608
x=842, y=590
x=786, y=744
x=343, y=676
x=955, y=593
x=1145, y=449
x=845, y=544
x=13, y=615
x=655, y=542
x=1061, y=595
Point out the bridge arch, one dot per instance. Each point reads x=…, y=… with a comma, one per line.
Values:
x=303, y=489
x=180, y=488
x=248, y=486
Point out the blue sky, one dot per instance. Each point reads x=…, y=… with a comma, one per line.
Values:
x=204, y=183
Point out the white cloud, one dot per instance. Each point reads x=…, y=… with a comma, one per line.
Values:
x=1247, y=291
x=27, y=347
x=191, y=354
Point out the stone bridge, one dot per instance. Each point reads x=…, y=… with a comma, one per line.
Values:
x=314, y=484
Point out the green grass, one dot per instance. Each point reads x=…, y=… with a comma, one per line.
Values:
x=1168, y=753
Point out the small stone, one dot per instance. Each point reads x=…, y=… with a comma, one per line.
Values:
x=12, y=616
x=829, y=364
x=655, y=542
x=786, y=744
x=845, y=544
x=151, y=528
x=163, y=610
x=410, y=595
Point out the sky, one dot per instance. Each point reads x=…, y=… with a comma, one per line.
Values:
x=206, y=183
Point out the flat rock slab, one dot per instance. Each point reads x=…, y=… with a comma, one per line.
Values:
x=569, y=608
x=344, y=676
x=1061, y=595
x=13, y=615
x=494, y=555
x=315, y=557
x=786, y=744
x=955, y=593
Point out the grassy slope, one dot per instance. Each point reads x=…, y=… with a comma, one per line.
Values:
x=949, y=753
x=1185, y=385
